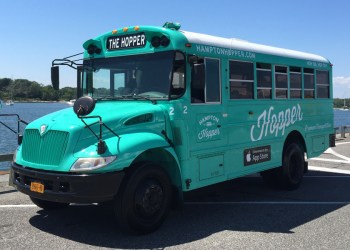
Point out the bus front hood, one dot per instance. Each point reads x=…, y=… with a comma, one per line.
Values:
x=55, y=141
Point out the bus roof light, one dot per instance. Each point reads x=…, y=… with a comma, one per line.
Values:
x=137, y=28
x=125, y=29
x=114, y=32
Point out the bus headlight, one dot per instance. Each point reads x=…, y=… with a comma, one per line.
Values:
x=88, y=164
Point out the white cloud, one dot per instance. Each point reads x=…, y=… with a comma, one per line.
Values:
x=341, y=80
x=341, y=86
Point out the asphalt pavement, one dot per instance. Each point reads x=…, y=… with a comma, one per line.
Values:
x=237, y=214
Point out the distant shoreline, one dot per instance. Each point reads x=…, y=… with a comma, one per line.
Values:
x=40, y=101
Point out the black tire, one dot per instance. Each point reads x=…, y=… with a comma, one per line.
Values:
x=143, y=201
x=289, y=176
x=293, y=167
x=48, y=205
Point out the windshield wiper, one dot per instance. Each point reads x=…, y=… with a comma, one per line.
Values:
x=140, y=97
x=109, y=98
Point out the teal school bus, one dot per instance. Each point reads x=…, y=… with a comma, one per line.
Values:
x=161, y=111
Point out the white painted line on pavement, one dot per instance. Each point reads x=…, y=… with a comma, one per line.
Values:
x=342, y=143
x=329, y=170
x=32, y=205
x=17, y=206
x=345, y=159
x=338, y=155
x=329, y=160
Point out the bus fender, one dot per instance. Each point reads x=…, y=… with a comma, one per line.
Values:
x=132, y=146
x=142, y=147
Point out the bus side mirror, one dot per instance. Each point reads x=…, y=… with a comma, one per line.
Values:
x=79, y=78
x=55, y=77
x=198, y=76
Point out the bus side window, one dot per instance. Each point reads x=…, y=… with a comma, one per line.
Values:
x=205, y=86
x=241, y=80
x=264, y=80
x=198, y=82
x=281, y=82
x=309, y=83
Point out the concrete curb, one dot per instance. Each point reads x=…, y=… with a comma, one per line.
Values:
x=4, y=178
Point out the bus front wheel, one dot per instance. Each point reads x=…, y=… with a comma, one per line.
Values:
x=143, y=201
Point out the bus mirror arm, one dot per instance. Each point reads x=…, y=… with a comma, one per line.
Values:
x=101, y=145
x=55, y=68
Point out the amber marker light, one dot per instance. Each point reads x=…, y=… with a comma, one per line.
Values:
x=188, y=45
x=114, y=32
x=125, y=29
x=137, y=28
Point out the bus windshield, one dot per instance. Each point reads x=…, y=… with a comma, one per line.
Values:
x=147, y=75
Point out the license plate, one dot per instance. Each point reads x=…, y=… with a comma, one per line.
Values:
x=37, y=187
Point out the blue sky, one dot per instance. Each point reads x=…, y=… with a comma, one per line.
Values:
x=34, y=32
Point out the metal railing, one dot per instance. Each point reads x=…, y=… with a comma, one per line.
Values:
x=342, y=130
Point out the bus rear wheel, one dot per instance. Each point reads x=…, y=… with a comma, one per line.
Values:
x=293, y=167
x=143, y=201
x=48, y=205
x=289, y=176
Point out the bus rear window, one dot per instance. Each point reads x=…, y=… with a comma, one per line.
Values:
x=322, y=84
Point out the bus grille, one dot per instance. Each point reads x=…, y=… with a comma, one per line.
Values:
x=47, y=149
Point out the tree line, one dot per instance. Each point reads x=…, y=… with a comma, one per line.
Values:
x=25, y=90
x=339, y=103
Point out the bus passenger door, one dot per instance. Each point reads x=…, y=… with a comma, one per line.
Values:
x=207, y=122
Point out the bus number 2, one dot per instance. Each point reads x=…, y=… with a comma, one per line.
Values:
x=172, y=110
x=185, y=110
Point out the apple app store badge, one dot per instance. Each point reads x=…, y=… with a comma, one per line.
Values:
x=257, y=155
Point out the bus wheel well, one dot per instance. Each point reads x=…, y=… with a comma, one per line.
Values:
x=164, y=159
x=295, y=137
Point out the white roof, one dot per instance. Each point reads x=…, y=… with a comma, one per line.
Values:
x=248, y=46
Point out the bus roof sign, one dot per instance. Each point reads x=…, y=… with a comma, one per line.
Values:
x=126, y=42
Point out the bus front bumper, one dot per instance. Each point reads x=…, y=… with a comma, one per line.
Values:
x=66, y=187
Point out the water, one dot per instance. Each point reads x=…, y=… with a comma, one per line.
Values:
x=27, y=112
x=31, y=111
x=341, y=117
